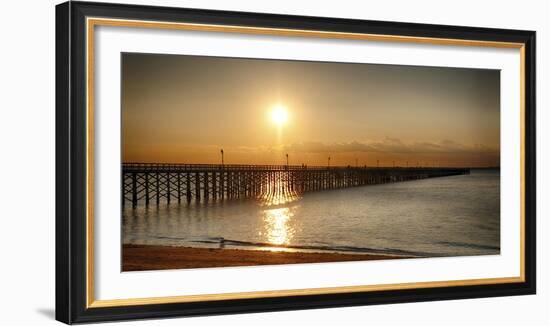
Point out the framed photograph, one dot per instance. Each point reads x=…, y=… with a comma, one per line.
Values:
x=212, y=162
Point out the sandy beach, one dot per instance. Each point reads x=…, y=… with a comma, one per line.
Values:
x=145, y=257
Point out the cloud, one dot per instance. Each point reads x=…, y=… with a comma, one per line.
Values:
x=389, y=145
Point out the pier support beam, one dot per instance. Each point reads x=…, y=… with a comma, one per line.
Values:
x=140, y=181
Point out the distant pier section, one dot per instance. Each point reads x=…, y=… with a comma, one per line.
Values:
x=155, y=183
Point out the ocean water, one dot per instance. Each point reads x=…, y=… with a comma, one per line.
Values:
x=448, y=216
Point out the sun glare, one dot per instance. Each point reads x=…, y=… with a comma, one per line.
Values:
x=279, y=115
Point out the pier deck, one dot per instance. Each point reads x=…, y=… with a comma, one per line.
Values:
x=153, y=183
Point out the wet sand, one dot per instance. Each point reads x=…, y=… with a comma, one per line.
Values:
x=145, y=257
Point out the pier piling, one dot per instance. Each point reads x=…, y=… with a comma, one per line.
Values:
x=203, y=182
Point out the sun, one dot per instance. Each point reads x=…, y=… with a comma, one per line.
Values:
x=279, y=115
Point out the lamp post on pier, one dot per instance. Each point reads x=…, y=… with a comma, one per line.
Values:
x=221, y=151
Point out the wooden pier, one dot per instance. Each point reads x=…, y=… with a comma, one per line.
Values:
x=155, y=183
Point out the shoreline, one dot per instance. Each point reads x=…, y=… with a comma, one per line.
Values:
x=155, y=257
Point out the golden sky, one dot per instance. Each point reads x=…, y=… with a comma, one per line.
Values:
x=184, y=109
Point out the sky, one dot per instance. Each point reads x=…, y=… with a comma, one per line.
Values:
x=185, y=109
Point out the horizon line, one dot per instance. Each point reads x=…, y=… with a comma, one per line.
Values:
x=324, y=166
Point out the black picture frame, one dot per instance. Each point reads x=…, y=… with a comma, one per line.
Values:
x=71, y=158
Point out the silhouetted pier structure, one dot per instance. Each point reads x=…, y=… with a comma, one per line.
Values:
x=153, y=183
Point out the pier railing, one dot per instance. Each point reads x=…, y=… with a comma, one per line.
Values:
x=212, y=167
x=165, y=182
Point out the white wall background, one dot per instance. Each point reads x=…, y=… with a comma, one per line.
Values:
x=27, y=162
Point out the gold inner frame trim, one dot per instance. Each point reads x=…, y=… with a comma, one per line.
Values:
x=92, y=22
x=286, y=293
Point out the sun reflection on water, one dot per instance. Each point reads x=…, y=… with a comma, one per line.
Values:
x=278, y=192
x=277, y=228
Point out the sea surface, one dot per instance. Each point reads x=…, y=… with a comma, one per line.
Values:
x=448, y=216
